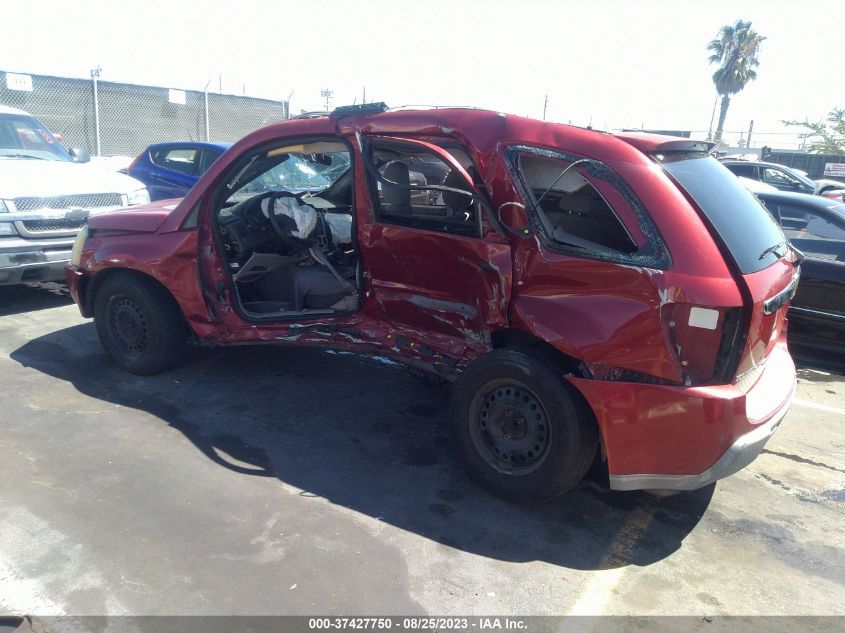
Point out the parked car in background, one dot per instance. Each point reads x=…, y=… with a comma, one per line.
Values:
x=785, y=178
x=169, y=170
x=589, y=294
x=823, y=185
x=815, y=226
x=46, y=196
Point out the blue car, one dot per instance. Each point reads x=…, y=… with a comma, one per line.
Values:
x=169, y=170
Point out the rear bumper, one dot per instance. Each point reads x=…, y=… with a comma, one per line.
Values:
x=31, y=261
x=683, y=438
x=741, y=453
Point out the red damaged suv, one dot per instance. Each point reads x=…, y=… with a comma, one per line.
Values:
x=592, y=296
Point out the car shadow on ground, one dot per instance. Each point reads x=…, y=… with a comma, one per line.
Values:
x=366, y=435
x=18, y=299
x=815, y=362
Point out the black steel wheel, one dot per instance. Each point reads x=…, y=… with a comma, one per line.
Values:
x=139, y=323
x=510, y=427
x=128, y=325
x=525, y=434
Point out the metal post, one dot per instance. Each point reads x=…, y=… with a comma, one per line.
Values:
x=205, y=104
x=95, y=75
x=750, y=130
x=545, y=104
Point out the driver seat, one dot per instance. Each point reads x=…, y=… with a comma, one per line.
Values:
x=457, y=203
x=316, y=288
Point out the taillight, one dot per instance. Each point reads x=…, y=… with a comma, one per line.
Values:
x=708, y=341
x=734, y=335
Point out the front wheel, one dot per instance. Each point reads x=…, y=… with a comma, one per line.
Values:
x=522, y=433
x=139, y=324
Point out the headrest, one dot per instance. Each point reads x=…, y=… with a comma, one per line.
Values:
x=396, y=171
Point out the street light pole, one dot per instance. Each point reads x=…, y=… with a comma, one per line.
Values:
x=325, y=92
x=545, y=105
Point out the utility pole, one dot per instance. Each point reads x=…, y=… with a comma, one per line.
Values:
x=803, y=138
x=325, y=92
x=95, y=76
x=364, y=98
x=545, y=105
x=750, y=130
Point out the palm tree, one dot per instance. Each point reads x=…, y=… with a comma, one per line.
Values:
x=735, y=50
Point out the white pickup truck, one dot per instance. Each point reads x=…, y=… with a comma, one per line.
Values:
x=46, y=195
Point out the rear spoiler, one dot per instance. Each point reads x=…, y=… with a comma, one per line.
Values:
x=656, y=143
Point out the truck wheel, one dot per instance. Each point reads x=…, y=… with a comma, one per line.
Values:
x=139, y=324
x=523, y=434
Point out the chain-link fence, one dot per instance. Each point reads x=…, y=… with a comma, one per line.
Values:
x=116, y=119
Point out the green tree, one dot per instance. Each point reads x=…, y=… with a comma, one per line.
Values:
x=735, y=50
x=828, y=137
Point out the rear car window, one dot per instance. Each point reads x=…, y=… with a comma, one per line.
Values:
x=575, y=210
x=181, y=159
x=743, y=224
x=746, y=171
x=580, y=206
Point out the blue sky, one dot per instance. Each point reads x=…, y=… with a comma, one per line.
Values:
x=613, y=63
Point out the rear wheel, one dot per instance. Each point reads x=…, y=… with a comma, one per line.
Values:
x=139, y=324
x=524, y=435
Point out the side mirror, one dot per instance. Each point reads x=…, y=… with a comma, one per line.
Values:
x=79, y=154
x=514, y=218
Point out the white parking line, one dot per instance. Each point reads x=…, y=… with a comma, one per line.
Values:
x=818, y=407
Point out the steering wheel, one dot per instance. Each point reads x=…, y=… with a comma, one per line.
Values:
x=293, y=244
x=275, y=222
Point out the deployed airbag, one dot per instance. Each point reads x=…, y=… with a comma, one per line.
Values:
x=303, y=215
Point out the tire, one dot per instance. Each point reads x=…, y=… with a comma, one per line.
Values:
x=139, y=324
x=524, y=433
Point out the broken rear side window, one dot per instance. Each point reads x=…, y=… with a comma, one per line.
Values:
x=572, y=210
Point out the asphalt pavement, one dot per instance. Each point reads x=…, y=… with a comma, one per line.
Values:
x=265, y=480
